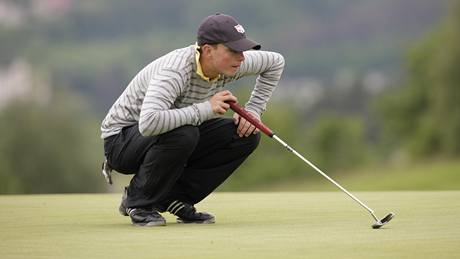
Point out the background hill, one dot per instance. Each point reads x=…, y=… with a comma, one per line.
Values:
x=365, y=83
x=96, y=47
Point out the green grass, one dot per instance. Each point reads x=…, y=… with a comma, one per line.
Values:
x=249, y=225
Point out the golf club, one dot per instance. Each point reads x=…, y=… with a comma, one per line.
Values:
x=267, y=131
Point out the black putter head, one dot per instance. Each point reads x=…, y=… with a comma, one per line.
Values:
x=383, y=221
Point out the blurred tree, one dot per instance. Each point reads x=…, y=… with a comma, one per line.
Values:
x=424, y=115
x=49, y=149
x=337, y=142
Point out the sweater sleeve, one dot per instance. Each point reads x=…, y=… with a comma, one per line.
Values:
x=269, y=67
x=157, y=114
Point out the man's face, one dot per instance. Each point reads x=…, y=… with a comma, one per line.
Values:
x=225, y=61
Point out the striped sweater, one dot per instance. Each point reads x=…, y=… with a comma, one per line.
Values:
x=168, y=93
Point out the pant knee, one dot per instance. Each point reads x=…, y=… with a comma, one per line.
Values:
x=184, y=138
x=248, y=144
x=253, y=141
x=189, y=136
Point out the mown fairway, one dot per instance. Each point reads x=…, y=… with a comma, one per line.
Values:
x=249, y=225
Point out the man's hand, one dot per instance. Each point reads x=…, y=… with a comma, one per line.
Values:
x=244, y=127
x=218, y=101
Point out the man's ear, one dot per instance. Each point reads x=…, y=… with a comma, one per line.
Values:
x=206, y=50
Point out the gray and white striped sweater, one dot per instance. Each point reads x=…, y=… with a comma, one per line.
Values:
x=168, y=93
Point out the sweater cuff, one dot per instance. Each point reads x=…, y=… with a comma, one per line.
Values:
x=204, y=111
x=256, y=114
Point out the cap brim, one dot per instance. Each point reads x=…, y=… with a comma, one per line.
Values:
x=242, y=45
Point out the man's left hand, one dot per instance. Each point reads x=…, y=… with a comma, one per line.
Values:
x=244, y=127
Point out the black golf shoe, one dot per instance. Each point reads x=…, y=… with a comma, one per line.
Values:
x=146, y=217
x=186, y=213
x=140, y=216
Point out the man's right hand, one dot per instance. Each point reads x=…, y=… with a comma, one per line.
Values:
x=218, y=101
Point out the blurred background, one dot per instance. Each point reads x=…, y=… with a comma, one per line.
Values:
x=370, y=92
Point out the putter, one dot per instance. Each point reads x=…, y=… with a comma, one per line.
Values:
x=267, y=131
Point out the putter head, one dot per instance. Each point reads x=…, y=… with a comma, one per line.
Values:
x=383, y=221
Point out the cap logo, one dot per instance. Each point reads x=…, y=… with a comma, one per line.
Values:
x=239, y=28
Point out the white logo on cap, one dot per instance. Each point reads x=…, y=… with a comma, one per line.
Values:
x=239, y=28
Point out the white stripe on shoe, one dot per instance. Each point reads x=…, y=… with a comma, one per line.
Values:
x=175, y=207
x=130, y=210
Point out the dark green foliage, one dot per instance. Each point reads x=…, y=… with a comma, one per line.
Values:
x=49, y=149
x=424, y=115
x=338, y=142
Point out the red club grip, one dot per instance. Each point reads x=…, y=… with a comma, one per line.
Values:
x=249, y=117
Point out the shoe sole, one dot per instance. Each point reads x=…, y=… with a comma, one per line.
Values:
x=208, y=221
x=150, y=224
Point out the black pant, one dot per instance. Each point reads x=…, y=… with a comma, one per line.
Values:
x=184, y=164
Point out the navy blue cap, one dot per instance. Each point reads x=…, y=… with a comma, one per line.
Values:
x=222, y=28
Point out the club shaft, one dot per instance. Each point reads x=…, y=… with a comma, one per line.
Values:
x=325, y=175
x=262, y=127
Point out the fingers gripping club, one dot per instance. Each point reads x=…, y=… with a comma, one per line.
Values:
x=249, y=117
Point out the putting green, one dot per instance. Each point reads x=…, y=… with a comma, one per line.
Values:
x=249, y=225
